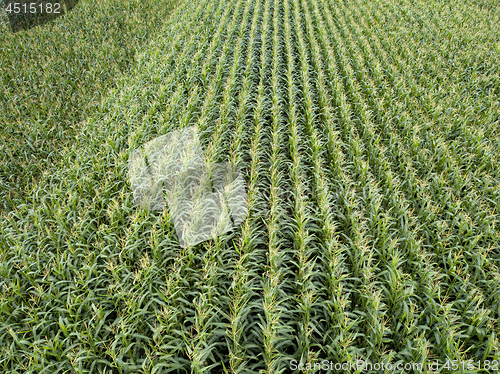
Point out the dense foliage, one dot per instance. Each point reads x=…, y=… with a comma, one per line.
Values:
x=53, y=76
x=368, y=135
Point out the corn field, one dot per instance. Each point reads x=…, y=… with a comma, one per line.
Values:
x=368, y=136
